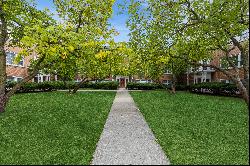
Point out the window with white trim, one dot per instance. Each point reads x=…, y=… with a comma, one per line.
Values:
x=14, y=78
x=167, y=82
x=10, y=59
x=10, y=78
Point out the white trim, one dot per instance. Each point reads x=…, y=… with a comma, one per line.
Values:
x=15, y=78
x=239, y=60
x=227, y=81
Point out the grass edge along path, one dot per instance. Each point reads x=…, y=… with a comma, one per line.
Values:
x=53, y=128
x=197, y=129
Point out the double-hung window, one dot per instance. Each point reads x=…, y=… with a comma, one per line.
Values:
x=10, y=59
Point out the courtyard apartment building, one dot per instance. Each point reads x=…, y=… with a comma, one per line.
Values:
x=16, y=72
x=197, y=75
x=208, y=74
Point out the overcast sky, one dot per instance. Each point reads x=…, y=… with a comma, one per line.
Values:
x=117, y=21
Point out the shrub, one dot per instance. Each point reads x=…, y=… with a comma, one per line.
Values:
x=29, y=87
x=145, y=86
x=181, y=87
x=10, y=84
x=217, y=88
x=106, y=85
x=56, y=85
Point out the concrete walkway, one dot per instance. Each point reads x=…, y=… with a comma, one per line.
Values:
x=126, y=138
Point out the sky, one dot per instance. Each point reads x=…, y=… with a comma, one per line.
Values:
x=118, y=21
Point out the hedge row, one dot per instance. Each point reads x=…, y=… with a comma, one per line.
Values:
x=153, y=86
x=112, y=85
x=217, y=88
x=55, y=85
x=145, y=86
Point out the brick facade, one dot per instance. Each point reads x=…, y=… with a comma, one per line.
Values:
x=211, y=74
x=17, y=71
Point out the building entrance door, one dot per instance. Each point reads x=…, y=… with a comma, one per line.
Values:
x=122, y=82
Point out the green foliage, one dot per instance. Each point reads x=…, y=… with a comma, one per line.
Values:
x=169, y=32
x=75, y=46
x=145, y=86
x=197, y=129
x=154, y=86
x=53, y=128
x=217, y=88
x=112, y=85
x=181, y=87
x=19, y=14
x=59, y=85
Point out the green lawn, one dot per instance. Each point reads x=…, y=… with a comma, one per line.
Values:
x=53, y=128
x=197, y=129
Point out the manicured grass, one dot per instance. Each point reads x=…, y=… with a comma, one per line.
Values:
x=197, y=129
x=53, y=128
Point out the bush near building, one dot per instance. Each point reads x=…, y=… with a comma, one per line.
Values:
x=56, y=85
x=145, y=86
x=215, y=88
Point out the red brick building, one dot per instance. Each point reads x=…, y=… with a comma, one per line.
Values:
x=18, y=71
x=208, y=74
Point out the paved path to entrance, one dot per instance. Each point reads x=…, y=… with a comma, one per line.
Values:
x=126, y=138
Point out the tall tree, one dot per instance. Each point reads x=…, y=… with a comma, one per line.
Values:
x=89, y=22
x=58, y=45
x=194, y=29
x=15, y=15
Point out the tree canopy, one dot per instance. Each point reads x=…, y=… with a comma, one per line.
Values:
x=191, y=30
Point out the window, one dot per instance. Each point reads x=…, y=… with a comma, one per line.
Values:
x=167, y=82
x=10, y=78
x=224, y=81
x=233, y=58
x=14, y=78
x=10, y=59
x=204, y=63
x=18, y=79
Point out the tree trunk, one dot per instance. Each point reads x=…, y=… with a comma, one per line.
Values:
x=243, y=90
x=79, y=85
x=66, y=85
x=4, y=97
x=173, y=84
x=2, y=103
x=3, y=39
x=52, y=77
x=188, y=82
x=2, y=79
